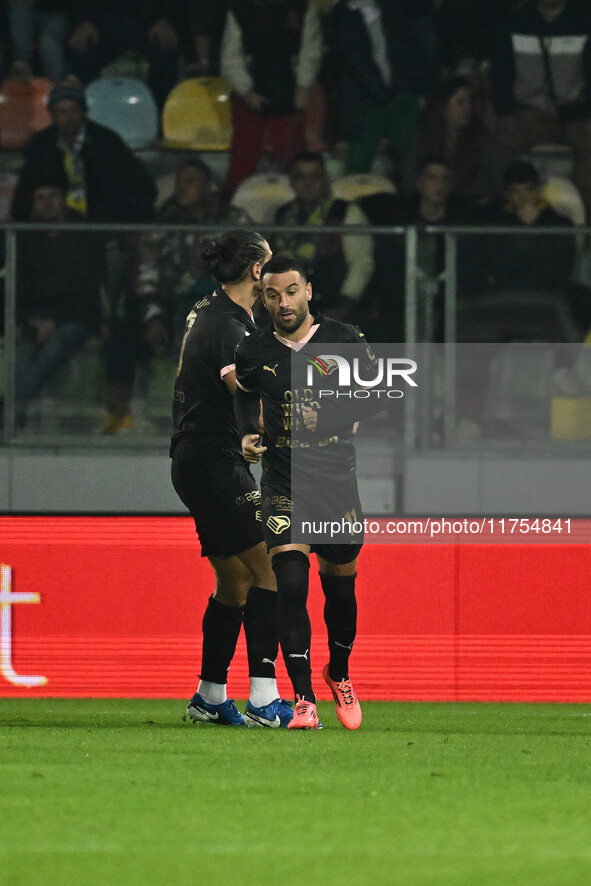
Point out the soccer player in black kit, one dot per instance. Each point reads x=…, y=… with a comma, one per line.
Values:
x=212, y=478
x=263, y=370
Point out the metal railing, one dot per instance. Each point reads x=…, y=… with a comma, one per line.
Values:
x=418, y=309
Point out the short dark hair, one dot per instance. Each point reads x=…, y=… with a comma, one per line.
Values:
x=195, y=163
x=521, y=173
x=229, y=257
x=433, y=160
x=281, y=264
x=307, y=157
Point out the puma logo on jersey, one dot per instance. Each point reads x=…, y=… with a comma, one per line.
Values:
x=272, y=369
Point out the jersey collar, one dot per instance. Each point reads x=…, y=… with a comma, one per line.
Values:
x=297, y=345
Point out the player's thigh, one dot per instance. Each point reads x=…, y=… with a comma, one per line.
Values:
x=233, y=579
x=276, y=511
x=222, y=497
x=258, y=562
x=330, y=567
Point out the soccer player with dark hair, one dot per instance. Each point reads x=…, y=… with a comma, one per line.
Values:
x=212, y=478
x=263, y=370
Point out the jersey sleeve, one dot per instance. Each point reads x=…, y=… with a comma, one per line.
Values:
x=246, y=399
x=231, y=335
x=245, y=366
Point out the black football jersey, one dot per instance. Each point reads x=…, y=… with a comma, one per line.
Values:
x=202, y=403
x=264, y=367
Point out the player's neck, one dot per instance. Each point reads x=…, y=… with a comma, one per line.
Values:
x=241, y=295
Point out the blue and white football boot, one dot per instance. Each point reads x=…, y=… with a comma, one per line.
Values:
x=275, y=715
x=224, y=714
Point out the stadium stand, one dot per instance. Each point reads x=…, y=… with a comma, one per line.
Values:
x=126, y=105
x=196, y=116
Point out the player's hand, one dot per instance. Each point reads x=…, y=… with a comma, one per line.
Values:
x=250, y=450
x=310, y=418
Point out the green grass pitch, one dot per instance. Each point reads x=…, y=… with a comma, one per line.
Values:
x=100, y=792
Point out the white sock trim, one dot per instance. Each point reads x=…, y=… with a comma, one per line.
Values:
x=263, y=690
x=212, y=693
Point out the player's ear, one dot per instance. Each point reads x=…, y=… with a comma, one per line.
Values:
x=309, y=291
x=256, y=270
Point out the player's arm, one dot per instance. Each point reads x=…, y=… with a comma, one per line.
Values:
x=247, y=412
x=229, y=379
x=247, y=409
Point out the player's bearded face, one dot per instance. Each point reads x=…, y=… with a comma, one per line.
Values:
x=287, y=297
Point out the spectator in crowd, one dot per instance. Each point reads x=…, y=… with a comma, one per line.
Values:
x=468, y=29
x=164, y=278
x=544, y=262
x=59, y=280
x=434, y=201
x=106, y=182
x=541, y=81
x=206, y=22
x=340, y=266
x=386, y=55
x=451, y=128
x=105, y=29
x=270, y=56
x=41, y=27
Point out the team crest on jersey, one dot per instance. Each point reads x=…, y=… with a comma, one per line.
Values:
x=278, y=524
x=325, y=366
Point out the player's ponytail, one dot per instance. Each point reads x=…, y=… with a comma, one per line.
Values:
x=229, y=257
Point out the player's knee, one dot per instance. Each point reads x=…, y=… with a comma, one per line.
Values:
x=338, y=588
x=263, y=575
x=291, y=569
x=231, y=593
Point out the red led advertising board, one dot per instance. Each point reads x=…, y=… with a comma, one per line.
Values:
x=112, y=606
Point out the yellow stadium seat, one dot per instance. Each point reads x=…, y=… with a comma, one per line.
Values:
x=352, y=187
x=261, y=195
x=23, y=110
x=197, y=117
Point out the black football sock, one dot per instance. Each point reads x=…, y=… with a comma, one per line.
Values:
x=260, y=629
x=221, y=627
x=295, y=632
x=340, y=615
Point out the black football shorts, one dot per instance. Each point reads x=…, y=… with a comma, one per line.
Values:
x=283, y=517
x=221, y=495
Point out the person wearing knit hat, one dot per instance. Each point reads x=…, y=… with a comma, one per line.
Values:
x=106, y=181
x=68, y=90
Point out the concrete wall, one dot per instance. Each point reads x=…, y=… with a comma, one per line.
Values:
x=131, y=481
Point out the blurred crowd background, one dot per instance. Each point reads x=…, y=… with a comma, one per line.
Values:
x=341, y=117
